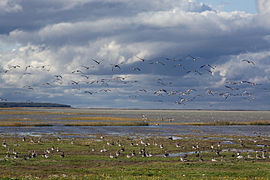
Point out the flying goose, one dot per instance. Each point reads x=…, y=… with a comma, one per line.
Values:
x=248, y=61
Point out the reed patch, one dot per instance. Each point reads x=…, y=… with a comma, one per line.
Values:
x=107, y=124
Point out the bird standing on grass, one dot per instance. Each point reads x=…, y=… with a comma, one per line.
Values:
x=63, y=155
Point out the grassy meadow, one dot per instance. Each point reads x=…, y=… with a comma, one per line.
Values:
x=89, y=158
x=107, y=156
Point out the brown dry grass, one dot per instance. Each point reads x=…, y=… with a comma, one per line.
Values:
x=102, y=118
x=107, y=124
x=7, y=123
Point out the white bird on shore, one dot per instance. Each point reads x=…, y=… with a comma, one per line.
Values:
x=183, y=159
x=111, y=156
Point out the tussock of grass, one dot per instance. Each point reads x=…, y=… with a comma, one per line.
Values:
x=107, y=124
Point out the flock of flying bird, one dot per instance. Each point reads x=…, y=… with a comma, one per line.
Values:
x=85, y=79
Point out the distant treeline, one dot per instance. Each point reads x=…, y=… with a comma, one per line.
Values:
x=30, y=104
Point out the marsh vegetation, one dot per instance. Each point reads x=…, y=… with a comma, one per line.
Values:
x=89, y=153
x=138, y=157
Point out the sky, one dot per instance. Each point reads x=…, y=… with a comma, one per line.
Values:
x=155, y=54
x=248, y=6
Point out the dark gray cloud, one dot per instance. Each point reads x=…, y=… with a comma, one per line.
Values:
x=32, y=15
x=193, y=54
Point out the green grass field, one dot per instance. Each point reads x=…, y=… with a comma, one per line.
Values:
x=86, y=158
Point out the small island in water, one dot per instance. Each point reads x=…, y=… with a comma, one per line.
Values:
x=31, y=104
